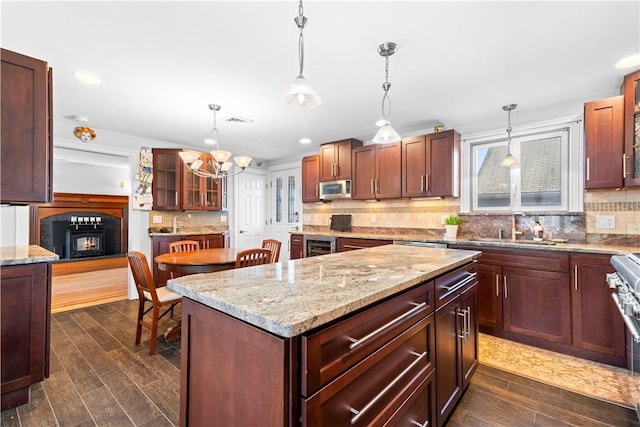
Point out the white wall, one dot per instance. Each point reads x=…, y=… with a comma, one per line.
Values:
x=14, y=225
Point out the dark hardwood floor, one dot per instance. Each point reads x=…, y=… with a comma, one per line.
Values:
x=99, y=377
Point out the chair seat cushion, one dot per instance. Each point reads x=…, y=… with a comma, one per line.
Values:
x=164, y=295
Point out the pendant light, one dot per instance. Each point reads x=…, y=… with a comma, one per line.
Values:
x=386, y=133
x=221, y=165
x=300, y=95
x=509, y=160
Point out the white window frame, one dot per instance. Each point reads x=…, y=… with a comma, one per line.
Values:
x=572, y=179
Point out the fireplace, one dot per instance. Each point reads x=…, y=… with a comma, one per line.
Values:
x=85, y=239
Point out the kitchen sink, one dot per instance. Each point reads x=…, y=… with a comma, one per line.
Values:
x=522, y=241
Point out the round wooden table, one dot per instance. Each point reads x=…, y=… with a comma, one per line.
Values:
x=192, y=262
x=200, y=261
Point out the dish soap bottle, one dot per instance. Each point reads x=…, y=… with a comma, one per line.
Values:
x=538, y=231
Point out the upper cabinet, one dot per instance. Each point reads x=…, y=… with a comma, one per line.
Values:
x=26, y=152
x=631, y=91
x=311, y=179
x=431, y=165
x=376, y=172
x=335, y=159
x=604, y=143
x=175, y=187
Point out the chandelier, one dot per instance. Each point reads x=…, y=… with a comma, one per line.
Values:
x=220, y=167
x=300, y=95
x=386, y=133
x=509, y=160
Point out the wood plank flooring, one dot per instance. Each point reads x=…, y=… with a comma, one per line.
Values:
x=100, y=378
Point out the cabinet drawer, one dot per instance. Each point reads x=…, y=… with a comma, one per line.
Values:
x=452, y=284
x=330, y=352
x=527, y=259
x=296, y=239
x=419, y=409
x=374, y=389
x=351, y=244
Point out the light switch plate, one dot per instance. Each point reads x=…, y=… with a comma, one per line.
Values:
x=157, y=219
x=605, y=221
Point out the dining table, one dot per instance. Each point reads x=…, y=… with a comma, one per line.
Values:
x=193, y=262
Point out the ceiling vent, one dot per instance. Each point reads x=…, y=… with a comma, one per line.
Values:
x=238, y=119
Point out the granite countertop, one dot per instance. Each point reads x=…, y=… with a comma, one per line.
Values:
x=292, y=297
x=505, y=243
x=16, y=255
x=186, y=231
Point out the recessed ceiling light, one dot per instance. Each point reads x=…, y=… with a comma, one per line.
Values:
x=381, y=122
x=629, y=61
x=87, y=77
x=305, y=140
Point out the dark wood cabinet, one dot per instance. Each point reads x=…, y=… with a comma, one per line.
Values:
x=537, y=304
x=604, y=143
x=25, y=305
x=176, y=188
x=297, y=246
x=335, y=159
x=596, y=323
x=311, y=179
x=26, y=152
x=489, y=295
x=350, y=243
x=161, y=246
x=376, y=172
x=631, y=92
x=456, y=337
x=431, y=165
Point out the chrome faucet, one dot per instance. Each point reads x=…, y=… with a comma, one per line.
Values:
x=175, y=224
x=514, y=231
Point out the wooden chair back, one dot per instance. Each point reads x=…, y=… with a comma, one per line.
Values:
x=184, y=245
x=274, y=246
x=253, y=256
x=142, y=275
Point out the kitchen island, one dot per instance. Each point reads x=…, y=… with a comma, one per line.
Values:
x=341, y=339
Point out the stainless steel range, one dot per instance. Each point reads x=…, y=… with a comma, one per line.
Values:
x=626, y=280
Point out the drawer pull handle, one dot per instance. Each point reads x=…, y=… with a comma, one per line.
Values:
x=419, y=424
x=354, y=247
x=357, y=342
x=389, y=386
x=460, y=283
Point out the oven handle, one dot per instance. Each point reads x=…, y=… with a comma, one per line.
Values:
x=627, y=320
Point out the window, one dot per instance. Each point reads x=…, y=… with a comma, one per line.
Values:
x=547, y=178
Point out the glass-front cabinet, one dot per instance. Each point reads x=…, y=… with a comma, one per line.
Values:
x=631, y=91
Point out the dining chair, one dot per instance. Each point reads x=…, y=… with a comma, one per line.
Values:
x=184, y=245
x=274, y=246
x=147, y=291
x=253, y=256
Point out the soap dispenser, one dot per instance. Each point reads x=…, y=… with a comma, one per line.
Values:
x=538, y=231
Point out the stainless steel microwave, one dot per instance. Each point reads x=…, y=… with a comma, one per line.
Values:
x=335, y=189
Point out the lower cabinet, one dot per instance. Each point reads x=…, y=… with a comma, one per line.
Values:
x=25, y=305
x=351, y=244
x=456, y=337
x=554, y=300
x=378, y=366
x=161, y=246
x=296, y=250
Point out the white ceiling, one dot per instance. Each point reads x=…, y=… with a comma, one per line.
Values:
x=457, y=63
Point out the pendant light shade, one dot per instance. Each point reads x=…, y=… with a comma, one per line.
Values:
x=509, y=160
x=300, y=95
x=386, y=133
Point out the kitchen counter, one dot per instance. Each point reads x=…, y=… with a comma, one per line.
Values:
x=186, y=231
x=292, y=297
x=16, y=255
x=505, y=243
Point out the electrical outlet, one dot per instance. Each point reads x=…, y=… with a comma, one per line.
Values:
x=605, y=221
x=157, y=219
x=223, y=218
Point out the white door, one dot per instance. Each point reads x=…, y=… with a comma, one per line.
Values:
x=250, y=210
x=286, y=206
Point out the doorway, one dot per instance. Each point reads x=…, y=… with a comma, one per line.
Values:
x=249, y=201
x=286, y=205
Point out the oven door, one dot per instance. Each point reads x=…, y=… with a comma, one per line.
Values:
x=633, y=326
